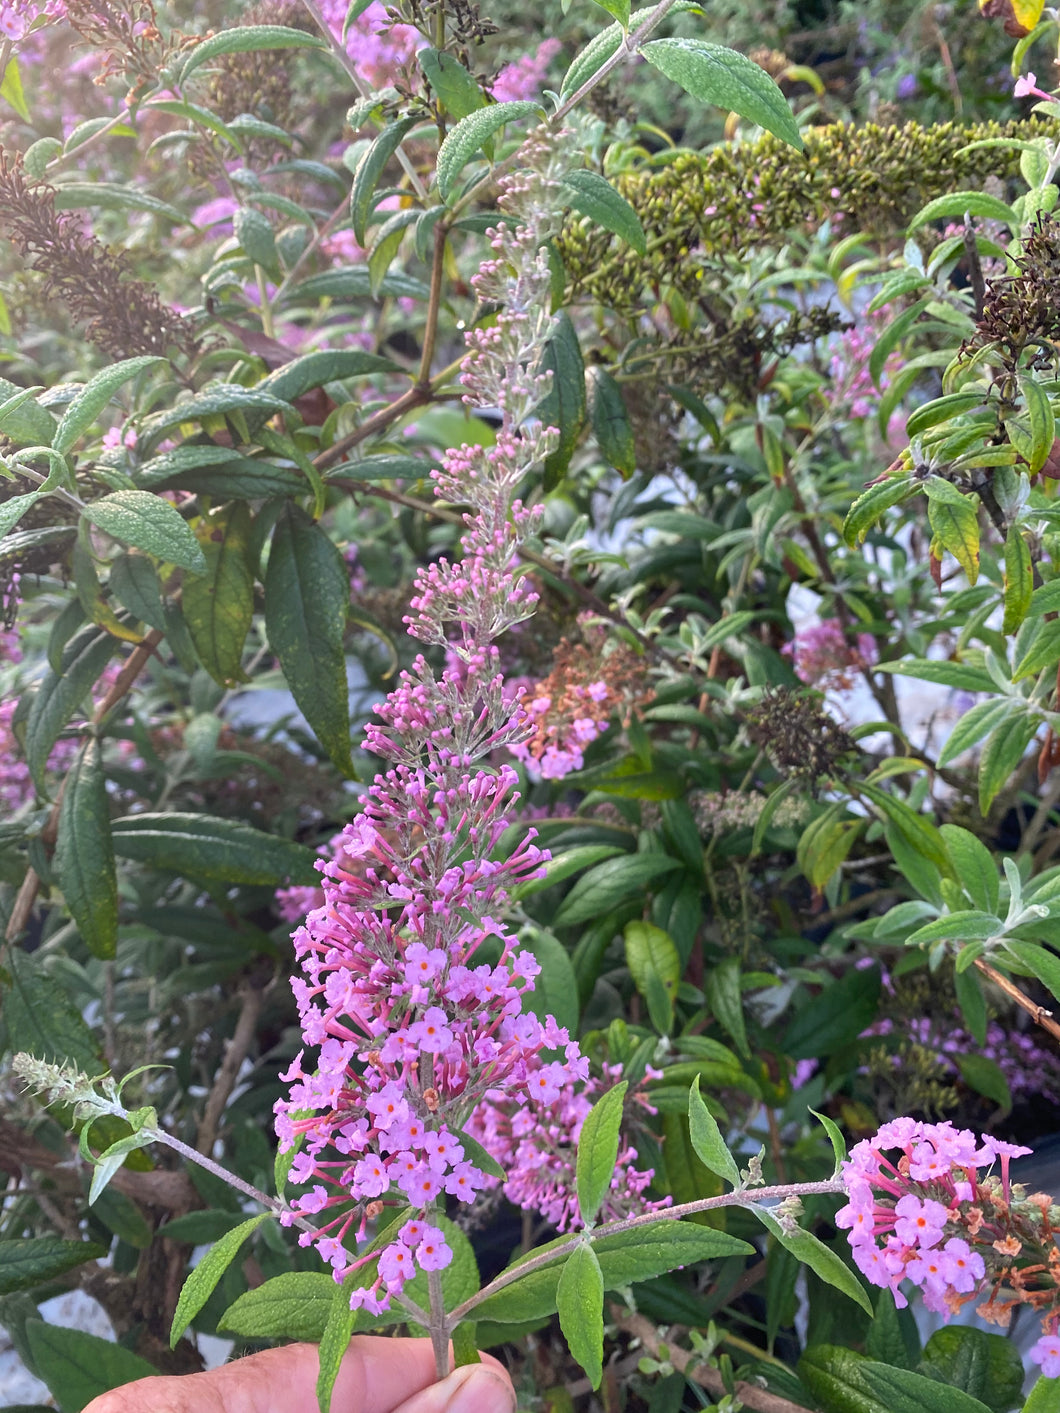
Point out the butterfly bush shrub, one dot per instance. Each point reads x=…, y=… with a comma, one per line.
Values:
x=356, y=429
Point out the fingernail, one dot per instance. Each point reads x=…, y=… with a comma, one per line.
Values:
x=477, y=1389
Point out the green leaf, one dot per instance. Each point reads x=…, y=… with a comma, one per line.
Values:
x=821, y=1259
x=564, y=865
x=918, y=832
x=956, y=927
x=26, y=1262
x=11, y=89
x=717, y=75
x=245, y=39
x=41, y=1018
x=219, y=606
x=972, y=1003
x=1044, y=1397
x=335, y=1340
x=318, y=368
x=86, y=406
x=961, y=203
x=655, y=966
x=1005, y=748
x=956, y=530
x=1042, y=423
x=893, y=1337
x=825, y=843
x=1045, y=599
x=975, y=866
x=204, y=846
x=135, y=583
x=220, y=473
x=597, y=1151
x=148, y=523
x=1043, y=650
x=975, y=724
x=84, y=658
x=253, y=231
x=74, y=196
x=986, y=1077
x=220, y=400
x=871, y=504
x=1044, y=964
x=470, y=133
x=201, y=1282
x=835, y=1137
x=835, y=1017
x=295, y=1305
x=941, y=409
x=711, y=1149
x=555, y=990
x=611, y=425
x=892, y=336
x=369, y=170
x=725, y=998
x=902, y=1391
x=78, y=1367
x=580, y=1302
x=1019, y=580
x=564, y=404
x=603, y=888
x=620, y=10
x=635, y=1255
x=306, y=599
x=84, y=858
x=450, y=80
x=12, y=511
x=24, y=421
x=592, y=195
x=588, y=60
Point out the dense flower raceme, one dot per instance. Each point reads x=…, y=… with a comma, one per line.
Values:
x=922, y=1206
x=536, y=1145
x=824, y=657
x=413, y=988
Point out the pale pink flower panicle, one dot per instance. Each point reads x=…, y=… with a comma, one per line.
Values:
x=412, y=988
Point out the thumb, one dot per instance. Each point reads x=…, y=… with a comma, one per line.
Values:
x=475, y=1388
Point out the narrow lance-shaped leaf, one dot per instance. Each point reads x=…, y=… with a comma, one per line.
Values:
x=580, y=1300
x=467, y=137
x=84, y=859
x=93, y=398
x=306, y=599
x=146, y=522
x=592, y=195
x=721, y=76
x=219, y=605
x=83, y=659
x=711, y=1148
x=597, y=1151
x=200, y=1284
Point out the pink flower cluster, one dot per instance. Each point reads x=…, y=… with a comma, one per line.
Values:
x=412, y=989
x=537, y=1147
x=381, y=49
x=917, y=1210
x=525, y=78
x=824, y=657
x=18, y=16
x=562, y=754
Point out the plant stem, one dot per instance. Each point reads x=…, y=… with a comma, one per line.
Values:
x=742, y=1197
x=438, y=1326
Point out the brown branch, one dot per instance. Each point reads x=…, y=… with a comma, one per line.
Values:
x=685, y=1363
x=1038, y=1014
x=235, y=1053
x=30, y=886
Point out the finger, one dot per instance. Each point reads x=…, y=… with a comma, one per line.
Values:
x=476, y=1388
x=377, y=1375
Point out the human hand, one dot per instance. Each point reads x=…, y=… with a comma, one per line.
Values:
x=378, y=1375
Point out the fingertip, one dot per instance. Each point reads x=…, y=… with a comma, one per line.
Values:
x=474, y=1388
